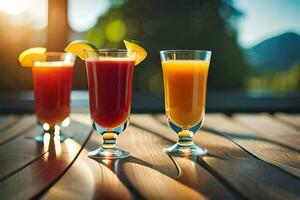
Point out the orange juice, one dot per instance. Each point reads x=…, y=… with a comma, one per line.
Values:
x=185, y=90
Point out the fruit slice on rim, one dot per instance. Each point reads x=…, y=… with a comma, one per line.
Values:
x=78, y=47
x=134, y=48
x=28, y=57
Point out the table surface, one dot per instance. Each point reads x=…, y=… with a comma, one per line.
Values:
x=251, y=156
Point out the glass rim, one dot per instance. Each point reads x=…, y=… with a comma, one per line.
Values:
x=56, y=59
x=186, y=51
x=108, y=50
x=56, y=53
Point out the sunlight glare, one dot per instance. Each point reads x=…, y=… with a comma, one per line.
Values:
x=13, y=7
x=26, y=12
x=46, y=126
x=83, y=15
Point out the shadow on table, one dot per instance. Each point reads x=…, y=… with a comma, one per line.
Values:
x=242, y=136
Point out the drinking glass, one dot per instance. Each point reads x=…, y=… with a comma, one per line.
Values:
x=185, y=77
x=52, y=82
x=110, y=75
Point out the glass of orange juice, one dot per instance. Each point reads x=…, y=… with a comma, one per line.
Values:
x=185, y=79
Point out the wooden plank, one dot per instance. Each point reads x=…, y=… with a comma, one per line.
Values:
x=147, y=149
x=143, y=175
x=263, y=148
x=22, y=125
x=88, y=179
x=191, y=174
x=241, y=172
x=198, y=178
x=37, y=177
x=155, y=185
x=139, y=171
x=271, y=129
x=18, y=153
x=150, y=123
x=292, y=119
x=142, y=148
x=7, y=120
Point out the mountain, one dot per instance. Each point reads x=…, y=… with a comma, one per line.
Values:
x=274, y=54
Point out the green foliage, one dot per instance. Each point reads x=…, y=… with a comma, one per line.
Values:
x=280, y=81
x=170, y=24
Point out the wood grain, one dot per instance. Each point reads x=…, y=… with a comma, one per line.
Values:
x=196, y=177
x=155, y=185
x=190, y=174
x=7, y=120
x=20, y=152
x=151, y=124
x=270, y=128
x=292, y=119
x=20, y=127
x=148, y=164
x=238, y=170
x=261, y=147
x=230, y=170
x=146, y=149
x=88, y=179
x=34, y=179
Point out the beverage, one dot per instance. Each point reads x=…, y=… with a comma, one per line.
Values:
x=110, y=89
x=52, y=81
x=185, y=76
x=52, y=87
x=185, y=90
x=110, y=75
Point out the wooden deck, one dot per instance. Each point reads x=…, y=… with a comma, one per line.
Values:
x=251, y=156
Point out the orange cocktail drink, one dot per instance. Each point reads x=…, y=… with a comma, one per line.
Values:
x=185, y=77
x=52, y=88
x=185, y=90
x=52, y=81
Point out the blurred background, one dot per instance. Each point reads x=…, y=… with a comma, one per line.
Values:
x=255, y=64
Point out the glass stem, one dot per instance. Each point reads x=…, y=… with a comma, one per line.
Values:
x=109, y=140
x=185, y=138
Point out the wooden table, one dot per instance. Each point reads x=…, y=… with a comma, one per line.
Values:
x=250, y=157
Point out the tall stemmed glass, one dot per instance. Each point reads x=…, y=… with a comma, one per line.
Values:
x=110, y=75
x=185, y=78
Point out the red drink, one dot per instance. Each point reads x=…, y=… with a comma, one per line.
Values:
x=110, y=90
x=52, y=88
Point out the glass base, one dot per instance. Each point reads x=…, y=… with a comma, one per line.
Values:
x=104, y=153
x=53, y=130
x=109, y=149
x=41, y=137
x=185, y=151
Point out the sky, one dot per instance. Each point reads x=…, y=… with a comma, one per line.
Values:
x=266, y=18
x=262, y=19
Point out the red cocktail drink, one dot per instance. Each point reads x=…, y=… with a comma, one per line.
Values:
x=52, y=88
x=110, y=75
x=52, y=81
x=110, y=89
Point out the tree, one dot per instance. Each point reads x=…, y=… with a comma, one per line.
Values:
x=175, y=24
